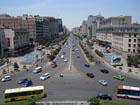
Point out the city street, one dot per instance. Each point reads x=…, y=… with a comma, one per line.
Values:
x=75, y=85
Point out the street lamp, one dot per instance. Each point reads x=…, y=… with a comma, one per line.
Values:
x=7, y=60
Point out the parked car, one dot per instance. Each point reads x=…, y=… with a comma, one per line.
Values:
x=37, y=69
x=6, y=78
x=91, y=75
x=104, y=96
x=27, y=83
x=103, y=82
x=76, y=49
x=54, y=66
x=120, y=77
x=87, y=65
x=45, y=76
x=20, y=81
x=104, y=71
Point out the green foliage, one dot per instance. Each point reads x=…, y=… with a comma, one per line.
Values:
x=16, y=66
x=120, y=68
x=129, y=70
x=133, y=60
x=94, y=101
x=89, y=43
x=99, y=53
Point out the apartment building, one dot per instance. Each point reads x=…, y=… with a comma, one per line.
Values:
x=120, y=34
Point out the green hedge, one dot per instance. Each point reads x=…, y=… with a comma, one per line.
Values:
x=99, y=53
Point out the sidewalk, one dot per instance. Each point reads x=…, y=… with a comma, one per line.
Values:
x=135, y=71
x=10, y=68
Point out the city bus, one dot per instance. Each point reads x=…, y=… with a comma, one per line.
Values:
x=128, y=92
x=23, y=93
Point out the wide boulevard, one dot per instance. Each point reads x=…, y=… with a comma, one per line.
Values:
x=75, y=85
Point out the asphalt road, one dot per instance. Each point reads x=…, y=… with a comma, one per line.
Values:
x=75, y=85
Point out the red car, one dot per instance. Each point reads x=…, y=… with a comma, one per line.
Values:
x=54, y=65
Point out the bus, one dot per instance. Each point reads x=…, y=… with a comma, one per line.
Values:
x=23, y=93
x=128, y=92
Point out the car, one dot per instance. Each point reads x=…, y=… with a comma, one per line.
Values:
x=53, y=62
x=120, y=77
x=39, y=49
x=54, y=66
x=76, y=49
x=103, y=82
x=104, y=96
x=20, y=81
x=6, y=78
x=87, y=65
x=37, y=69
x=45, y=76
x=73, y=53
x=27, y=83
x=62, y=56
x=63, y=53
x=78, y=56
x=104, y=71
x=91, y=75
x=65, y=60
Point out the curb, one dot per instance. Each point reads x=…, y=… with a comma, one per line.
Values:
x=85, y=55
x=112, y=68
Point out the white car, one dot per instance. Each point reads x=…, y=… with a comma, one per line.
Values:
x=37, y=69
x=103, y=82
x=65, y=60
x=45, y=76
x=77, y=49
x=62, y=56
x=6, y=78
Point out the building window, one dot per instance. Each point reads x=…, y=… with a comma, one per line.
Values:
x=129, y=35
x=129, y=40
x=135, y=35
x=134, y=40
x=129, y=50
x=133, y=50
x=134, y=45
x=129, y=45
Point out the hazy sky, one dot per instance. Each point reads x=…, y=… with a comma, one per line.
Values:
x=72, y=12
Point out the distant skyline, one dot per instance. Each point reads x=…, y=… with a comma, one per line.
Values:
x=72, y=12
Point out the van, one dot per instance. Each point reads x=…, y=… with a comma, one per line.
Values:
x=37, y=69
x=27, y=83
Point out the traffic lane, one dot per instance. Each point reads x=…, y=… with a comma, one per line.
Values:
x=113, y=83
x=30, y=75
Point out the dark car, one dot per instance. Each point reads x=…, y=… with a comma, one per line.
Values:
x=104, y=96
x=90, y=75
x=104, y=71
x=22, y=80
x=87, y=65
x=54, y=65
x=27, y=83
x=53, y=62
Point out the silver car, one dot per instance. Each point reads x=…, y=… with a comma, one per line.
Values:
x=103, y=82
x=6, y=78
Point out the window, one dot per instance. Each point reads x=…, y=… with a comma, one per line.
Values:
x=129, y=40
x=129, y=45
x=134, y=45
x=129, y=35
x=133, y=50
x=134, y=40
x=129, y=50
x=135, y=35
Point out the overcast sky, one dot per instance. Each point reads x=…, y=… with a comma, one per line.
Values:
x=72, y=12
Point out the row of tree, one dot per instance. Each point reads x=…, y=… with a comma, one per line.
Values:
x=133, y=61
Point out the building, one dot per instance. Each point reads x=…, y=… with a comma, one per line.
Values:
x=40, y=28
x=119, y=34
x=16, y=40
x=60, y=25
x=84, y=28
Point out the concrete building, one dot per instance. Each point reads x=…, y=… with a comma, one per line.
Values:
x=17, y=41
x=120, y=34
x=84, y=28
x=40, y=28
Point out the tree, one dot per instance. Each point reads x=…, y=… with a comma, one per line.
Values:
x=16, y=66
